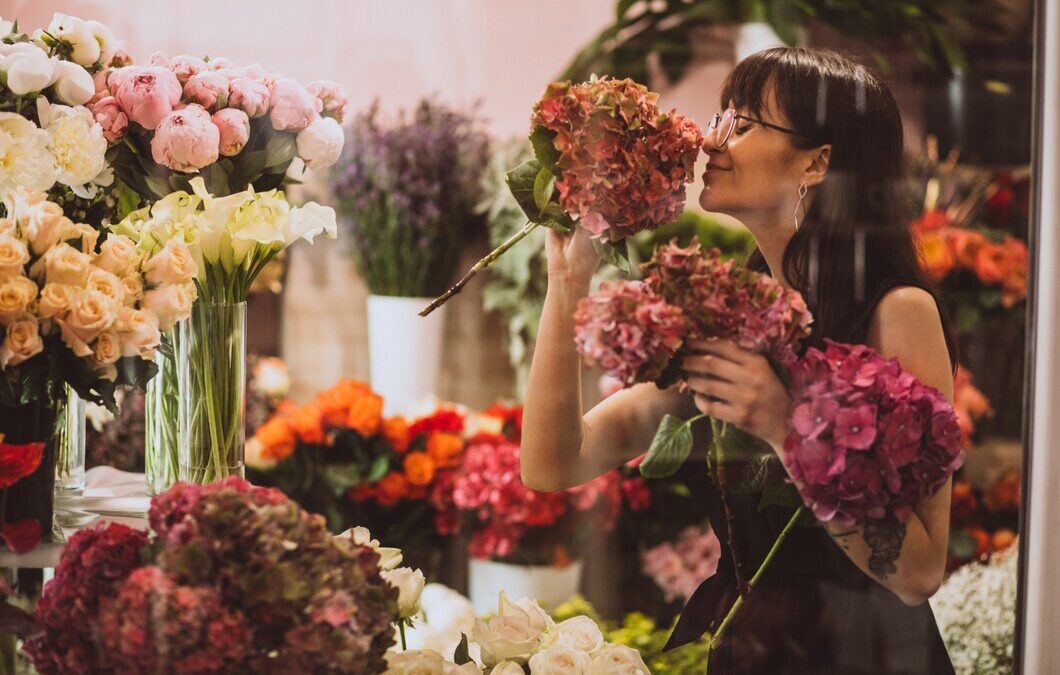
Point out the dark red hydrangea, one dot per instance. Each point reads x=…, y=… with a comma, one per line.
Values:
x=868, y=440
x=95, y=563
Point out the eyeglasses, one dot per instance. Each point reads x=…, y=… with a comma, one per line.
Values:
x=722, y=125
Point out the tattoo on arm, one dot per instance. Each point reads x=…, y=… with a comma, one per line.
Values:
x=884, y=537
x=843, y=538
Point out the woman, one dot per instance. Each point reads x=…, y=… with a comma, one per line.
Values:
x=808, y=156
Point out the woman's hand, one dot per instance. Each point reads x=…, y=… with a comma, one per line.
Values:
x=734, y=385
x=571, y=257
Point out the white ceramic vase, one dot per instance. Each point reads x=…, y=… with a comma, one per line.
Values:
x=550, y=586
x=404, y=351
x=754, y=37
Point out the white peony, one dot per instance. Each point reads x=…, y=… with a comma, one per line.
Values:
x=409, y=584
x=78, y=36
x=107, y=44
x=75, y=140
x=561, y=660
x=28, y=69
x=6, y=27
x=73, y=86
x=320, y=143
x=619, y=660
x=24, y=156
x=514, y=633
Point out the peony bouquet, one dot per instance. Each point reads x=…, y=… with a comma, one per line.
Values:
x=230, y=240
x=175, y=118
x=607, y=159
x=232, y=578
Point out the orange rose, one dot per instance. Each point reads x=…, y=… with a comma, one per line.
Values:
x=391, y=488
x=935, y=257
x=308, y=423
x=990, y=263
x=277, y=439
x=1004, y=494
x=1003, y=539
x=396, y=432
x=419, y=468
x=965, y=245
x=334, y=403
x=932, y=219
x=365, y=414
x=360, y=493
x=444, y=448
x=1014, y=286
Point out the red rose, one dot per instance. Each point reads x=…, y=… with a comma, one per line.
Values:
x=18, y=461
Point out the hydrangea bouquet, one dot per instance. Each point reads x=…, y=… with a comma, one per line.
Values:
x=607, y=159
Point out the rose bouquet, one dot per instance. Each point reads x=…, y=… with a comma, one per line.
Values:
x=339, y=456
x=230, y=239
x=233, y=578
x=607, y=159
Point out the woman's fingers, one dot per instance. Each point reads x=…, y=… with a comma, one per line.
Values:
x=712, y=365
x=715, y=389
x=722, y=411
x=726, y=349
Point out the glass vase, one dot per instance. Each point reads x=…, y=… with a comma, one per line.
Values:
x=211, y=373
x=70, y=444
x=32, y=496
x=161, y=405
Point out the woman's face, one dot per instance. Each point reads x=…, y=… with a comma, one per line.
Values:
x=759, y=170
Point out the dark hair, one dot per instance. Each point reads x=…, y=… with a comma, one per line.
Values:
x=854, y=243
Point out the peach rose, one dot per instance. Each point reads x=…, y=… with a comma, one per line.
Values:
x=21, y=342
x=64, y=264
x=107, y=349
x=118, y=255
x=81, y=232
x=90, y=314
x=106, y=283
x=174, y=264
x=138, y=330
x=55, y=300
x=44, y=223
x=13, y=256
x=170, y=304
x=134, y=289
x=16, y=297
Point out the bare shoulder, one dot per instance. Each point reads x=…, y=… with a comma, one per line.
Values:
x=906, y=325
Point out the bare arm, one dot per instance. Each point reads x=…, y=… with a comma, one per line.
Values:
x=561, y=447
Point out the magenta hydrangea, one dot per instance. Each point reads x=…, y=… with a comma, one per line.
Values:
x=629, y=331
x=868, y=440
x=623, y=163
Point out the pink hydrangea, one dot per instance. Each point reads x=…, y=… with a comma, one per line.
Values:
x=868, y=440
x=629, y=331
x=679, y=568
x=623, y=163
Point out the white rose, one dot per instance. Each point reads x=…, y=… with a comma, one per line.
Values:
x=106, y=283
x=619, y=660
x=424, y=662
x=91, y=313
x=320, y=143
x=118, y=255
x=13, y=256
x=172, y=265
x=107, y=44
x=73, y=86
x=55, y=300
x=513, y=633
x=75, y=140
x=170, y=304
x=21, y=342
x=17, y=294
x=560, y=660
x=24, y=155
x=272, y=378
x=78, y=34
x=308, y=221
x=389, y=558
x=507, y=668
x=581, y=633
x=44, y=225
x=29, y=71
x=64, y=264
x=409, y=583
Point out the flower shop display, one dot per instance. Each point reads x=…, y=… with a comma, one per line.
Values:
x=406, y=188
x=339, y=456
x=268, y=385
x=232, y=578
x=228, y=240
x=605, y=158
x=976, y=613
x=678, y=568
x=983, y=521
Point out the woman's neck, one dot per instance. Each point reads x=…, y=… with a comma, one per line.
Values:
x=772, y=237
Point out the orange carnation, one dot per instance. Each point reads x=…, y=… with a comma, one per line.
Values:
x=365, y=414
x=396, y=432
x=444, y=448
x=277, y=439
x=308, y=423
x=391, y=488
x=935, y=257
x=419, y=468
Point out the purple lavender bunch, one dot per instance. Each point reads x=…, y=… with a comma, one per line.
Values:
x=406, y=189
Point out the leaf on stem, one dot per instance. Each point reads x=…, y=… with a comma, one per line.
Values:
x=669, y=449
x=521, y=181
x=615, y=253
x=545, y=151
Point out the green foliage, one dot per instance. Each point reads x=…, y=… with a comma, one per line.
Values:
x=669, y=449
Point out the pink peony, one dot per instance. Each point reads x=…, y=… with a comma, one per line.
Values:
x=146, y=94
x=892, y=442
x=293, y=108
x=186, y=140
x=234, y=127
x=250, y=96
x=331, y=97
x=108, y=114
x=629, y=331
x=185, y=67
x=207, y=88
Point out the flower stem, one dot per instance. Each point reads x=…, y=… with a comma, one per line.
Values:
x=718, y=429
x=482, y=264
x=401, y=629
x=715, y=638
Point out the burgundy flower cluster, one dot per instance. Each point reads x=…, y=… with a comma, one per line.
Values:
x=623, y=163
x=868, y=439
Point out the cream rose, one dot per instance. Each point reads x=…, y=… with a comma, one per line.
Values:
x=118, y=255
x=21, y=342
x=107, y=349
x=17, y=294
x=513, y=633
x=409, y=583
x=106, y=283
x=424, y=662
x=389, y=558
x=170, y=304
x=619, y=660
x=64, y=264
x=561, y=660
x=581, y=633
x=90, y=314
x=138, y=330
x=81, y=232
x=55, y=300
x=44, y=223
x=13, y=256
x=507, y=668
x=134, y=289
x=172, y=265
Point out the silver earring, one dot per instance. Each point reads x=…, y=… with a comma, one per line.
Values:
x=802, y=195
